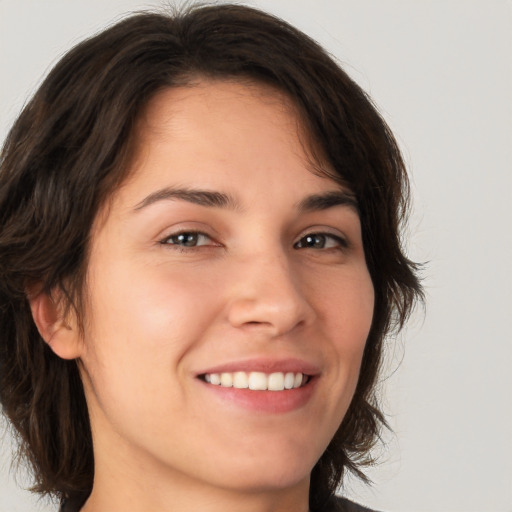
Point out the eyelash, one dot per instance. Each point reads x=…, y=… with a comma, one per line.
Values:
x=186, y=234
x=340, y=242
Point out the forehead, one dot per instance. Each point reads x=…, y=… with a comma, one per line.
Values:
x=236, y=127
x=213, y=96
x=243, y=141
x=206, y=110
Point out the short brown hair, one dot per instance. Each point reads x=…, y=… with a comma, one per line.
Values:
x=69, y=150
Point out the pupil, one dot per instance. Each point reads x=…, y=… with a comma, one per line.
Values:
x=316, y=241
x=187, y=239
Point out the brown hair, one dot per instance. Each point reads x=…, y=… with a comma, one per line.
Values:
x=69, y=150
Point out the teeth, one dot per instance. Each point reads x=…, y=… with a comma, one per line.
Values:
x=240, y=380
x=226, y=380
x=276, y=382
x=215, y=379
x=289, y=380
x=257, y=381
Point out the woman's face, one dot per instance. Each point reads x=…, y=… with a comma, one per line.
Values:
x=224, y=257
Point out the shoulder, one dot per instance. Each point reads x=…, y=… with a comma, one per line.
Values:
x=339, y=504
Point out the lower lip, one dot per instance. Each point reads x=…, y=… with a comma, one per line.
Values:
x=265, y=401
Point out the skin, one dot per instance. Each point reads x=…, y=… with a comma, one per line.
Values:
x=158, y=313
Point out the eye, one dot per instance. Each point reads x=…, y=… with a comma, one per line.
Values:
x=321, y=241
x=188, y=239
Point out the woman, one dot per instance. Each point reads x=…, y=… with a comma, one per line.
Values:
x=200, y=258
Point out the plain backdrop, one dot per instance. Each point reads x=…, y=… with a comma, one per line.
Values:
x=440, y=72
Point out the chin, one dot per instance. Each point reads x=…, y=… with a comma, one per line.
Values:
x=257, y=481
x=276, y=472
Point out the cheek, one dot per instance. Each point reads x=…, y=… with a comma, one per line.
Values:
x=347, y=317
x=345, y=306
x=151, y=306
x=142, y=326
x=143, y=332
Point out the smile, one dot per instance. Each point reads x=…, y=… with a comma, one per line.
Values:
x=257, y=381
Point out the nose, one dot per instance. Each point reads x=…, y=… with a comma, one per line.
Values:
x=268, y=297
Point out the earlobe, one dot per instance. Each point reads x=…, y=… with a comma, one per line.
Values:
x=58, y=332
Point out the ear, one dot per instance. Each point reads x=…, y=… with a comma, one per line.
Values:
x=61, y=334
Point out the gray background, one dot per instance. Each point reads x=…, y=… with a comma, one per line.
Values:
x=441, y=73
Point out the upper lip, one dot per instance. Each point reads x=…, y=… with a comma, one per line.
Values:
x=265, y=365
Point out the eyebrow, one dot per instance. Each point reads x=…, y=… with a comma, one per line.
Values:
x=324, y=201
x=201, y=197
x=215, y=199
